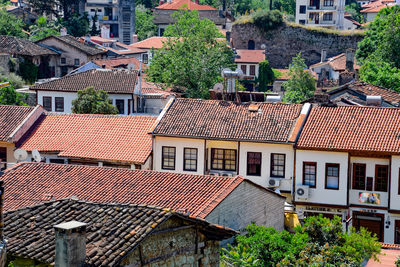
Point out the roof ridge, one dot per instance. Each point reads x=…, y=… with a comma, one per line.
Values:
x=100, y=115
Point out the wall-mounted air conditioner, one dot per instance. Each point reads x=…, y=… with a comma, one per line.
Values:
x=273, y=182
x=302, y=192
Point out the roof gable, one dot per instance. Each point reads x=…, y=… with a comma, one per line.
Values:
x=18, y=46
x=214, y=119
x=11, y=118
x=77, y=44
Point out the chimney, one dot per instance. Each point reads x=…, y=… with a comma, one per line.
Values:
x=161, y=2
x=134, y=38
x=70, y=244
x=350, y=59
x=63, y=31
x=323, y=55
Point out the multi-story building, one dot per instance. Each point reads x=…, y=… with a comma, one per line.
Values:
x=321, y=13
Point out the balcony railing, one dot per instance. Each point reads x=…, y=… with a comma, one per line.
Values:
x=322, y=8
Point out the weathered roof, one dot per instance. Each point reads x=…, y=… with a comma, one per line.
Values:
x=99, y=137
x=337, y=63
x=11, y=118
x=249, y=56
x=122, y=62
x=112, y=232
x=352, y=128
x=76, y=43
x=155, y=42
x=376, y=6
x=32, y=183
x=215, y=119
x=18, y=46
x=112, y=81
x=187, y=4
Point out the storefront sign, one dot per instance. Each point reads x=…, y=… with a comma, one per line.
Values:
x=369, y=198
x=323, y=209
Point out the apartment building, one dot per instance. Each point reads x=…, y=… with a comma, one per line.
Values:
x=321, y=13
x=348, y=164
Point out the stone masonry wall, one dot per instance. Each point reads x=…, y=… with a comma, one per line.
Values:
x=287, y=41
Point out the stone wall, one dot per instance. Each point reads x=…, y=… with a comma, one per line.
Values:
x=287, y=41
x=4, y=59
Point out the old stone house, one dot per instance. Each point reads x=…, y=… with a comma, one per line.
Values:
x=69, y=232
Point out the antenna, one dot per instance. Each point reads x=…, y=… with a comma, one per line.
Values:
x=20, y=154
x=36, y=156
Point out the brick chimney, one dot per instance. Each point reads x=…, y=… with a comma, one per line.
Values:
x=70, y=244
x=350, y=60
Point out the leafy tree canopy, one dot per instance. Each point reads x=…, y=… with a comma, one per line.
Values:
x=195, y=60
x=301, y=84
x=46, y=7
x=42, y=29
x=10, y=24
x=320, y=242
x=266, y=75
x=379, y=52
x=286, y=6
x=354, y=8
x=145, y=26
x=91, y=101
x=9, y=96
x=77, y=25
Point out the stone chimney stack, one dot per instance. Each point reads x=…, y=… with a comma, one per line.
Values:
x=323, y=55
x=63, y=31
x=134, y=38
x=350, y=60
x=70, y=244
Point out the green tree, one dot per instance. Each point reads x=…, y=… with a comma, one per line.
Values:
x=320, y=242
x=9, y=96
x=379, y=52
x=286, y=6
x=77, y=25
x=94, y=30
x=354, y=9
x=42, y=29
x=266, y=76
x=27, y=70
x=47, y=7
x=195, y=60
x=301, y=84
x=91, y=101
x=10, y=24
x=145, y=26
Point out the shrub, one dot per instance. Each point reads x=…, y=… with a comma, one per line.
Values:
x=267, y=20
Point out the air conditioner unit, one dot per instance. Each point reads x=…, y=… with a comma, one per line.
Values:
x=273, y=182
x=302, y=191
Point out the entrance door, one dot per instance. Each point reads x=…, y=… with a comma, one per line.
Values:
x=372, y=222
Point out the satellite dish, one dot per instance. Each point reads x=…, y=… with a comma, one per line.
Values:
x=20, y=154
x=218, y=87
x=36, y=156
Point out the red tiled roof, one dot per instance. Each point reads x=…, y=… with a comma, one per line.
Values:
x=376, y=6
x=337, y=63
x=112, y=81
x=187, y=4
x=27, y=183
x=119, y=63
x=249, y=56
x=10, y=118
x=100, y=137
x=155, y=42
x=352, y=128
x=215, y=119
x=370, y=89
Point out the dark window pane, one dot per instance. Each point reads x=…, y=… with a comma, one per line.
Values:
x=120, y=103
x=59, y=104
x=359, y=176
x=278, y=165
x=190, y=159
x=168, y=158
x=309, y=173
x=47, y=103
x=254, y=163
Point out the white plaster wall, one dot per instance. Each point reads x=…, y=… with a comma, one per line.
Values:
x=390, y=231
x=298, y=15
x=333, y=75
x=320, y=194
x=266, y=150
x=179, y=144
x=247, y=73
x=69, y=96
x=348, y=25
x=370, y=172
x=394, y=194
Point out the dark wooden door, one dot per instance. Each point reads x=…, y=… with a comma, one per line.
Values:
x=373, y=223
x=397, y=232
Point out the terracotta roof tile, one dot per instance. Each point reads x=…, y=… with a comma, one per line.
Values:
x=113, y=63
x=30, y=231
x=188, y=4
x=10, y=118
x=27, y=183
x=100, y=137
x=155, y=42
x=352, y=128
x=337, y=63
x=18, y=46
x=112, y=81
x=376, y=6
x=249, y=56
x=215, y=119
x=78, y=44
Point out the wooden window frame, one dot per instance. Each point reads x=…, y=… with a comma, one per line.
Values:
x=304, y=168
x=376, y=177
x=252, y=70
x=247, y=165
x=184, y=159
x=55, y=103
x=123, y=105
x=51, y=104
x=223, y=160
x=327, y=165
x=272, y=164
x=354, y=175
x=162, y=158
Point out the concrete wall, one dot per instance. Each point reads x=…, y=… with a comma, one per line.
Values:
x=249, y=203
x=287, y=41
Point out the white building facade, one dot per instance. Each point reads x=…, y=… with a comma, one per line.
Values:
x=321, y=13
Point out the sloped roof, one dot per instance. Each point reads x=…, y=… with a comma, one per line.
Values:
x=77, y=43
x=187, y=4
x=30, y=232
x=337, y=63
x=99, y=137
x=249, y=56
x=215, y=119
x=352, y=128
x=155, y=42
x=11, y=118
x=112, y=63
x=18, y=46
x=32, y=183
x=376, y=6
x=112, y=81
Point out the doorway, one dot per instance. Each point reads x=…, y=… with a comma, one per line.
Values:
x=374, y=223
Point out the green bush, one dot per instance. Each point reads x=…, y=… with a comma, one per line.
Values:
x=267, y=20
x=28, y=71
